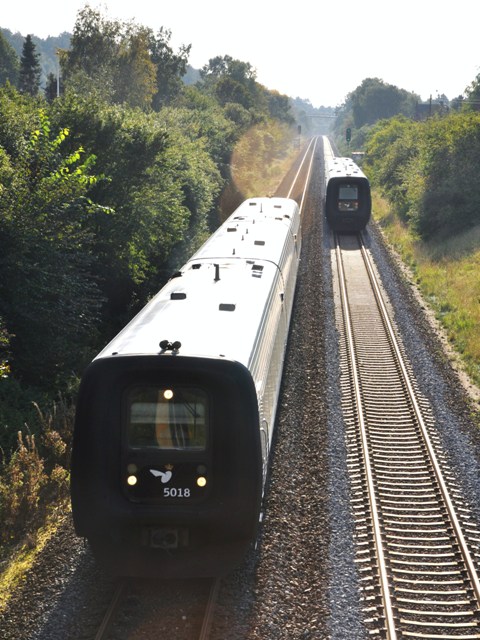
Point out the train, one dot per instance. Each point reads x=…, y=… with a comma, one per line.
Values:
x=175, y=416
x=348, y=203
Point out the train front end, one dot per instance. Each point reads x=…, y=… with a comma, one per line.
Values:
x=348, y=199
x=167, y=471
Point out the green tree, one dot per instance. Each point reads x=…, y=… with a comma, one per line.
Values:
x=370, y=102
x=428, y=169
x=233, y=85
x=162, y=184
x=9, y=63
x=51, y=88
x=170, y=67
x=49, y=299
x=445, y=194
x=124, y=63
x=29, y=78
x=391, y=147
x=279, y=106
x=134, y=72
x=472, y=92
x=87, y=66
x=230, y=80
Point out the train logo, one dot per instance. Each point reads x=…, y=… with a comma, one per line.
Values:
x=165, y=476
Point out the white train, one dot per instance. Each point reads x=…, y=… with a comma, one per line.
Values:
x=175, y=416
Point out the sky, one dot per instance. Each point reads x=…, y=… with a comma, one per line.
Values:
x=318, y=51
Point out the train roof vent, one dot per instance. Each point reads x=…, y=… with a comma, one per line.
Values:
x=257, y=270
x=260, y=242
x=178, y=295
x=224, y=306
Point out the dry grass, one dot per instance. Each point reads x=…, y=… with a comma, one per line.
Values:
x=447, y=272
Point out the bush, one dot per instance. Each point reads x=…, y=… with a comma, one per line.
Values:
x=428, y=171
x=36, y=477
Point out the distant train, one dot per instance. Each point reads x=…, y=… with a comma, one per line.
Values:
x=348, y=204
x=175, y=416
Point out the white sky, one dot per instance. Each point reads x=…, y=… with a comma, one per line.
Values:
x=314, y=50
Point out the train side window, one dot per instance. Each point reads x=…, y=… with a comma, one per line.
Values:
x=347, y=197
x=173, y=418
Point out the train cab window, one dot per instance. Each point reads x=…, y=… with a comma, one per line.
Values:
x=173, y=418
x=348, y=197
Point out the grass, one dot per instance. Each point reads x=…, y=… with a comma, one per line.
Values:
x=22, y=560
x=447, y=273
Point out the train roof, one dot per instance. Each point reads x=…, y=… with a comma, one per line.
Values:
x=339, y=167
x=246, y=232
x=215, y=304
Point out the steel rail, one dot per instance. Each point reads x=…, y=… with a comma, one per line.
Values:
x=209, y=610
x=309, y=173
x=419, y=417
x=112, y=608
x=384, y=584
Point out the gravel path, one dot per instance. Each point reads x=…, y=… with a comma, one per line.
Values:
x=300, y=582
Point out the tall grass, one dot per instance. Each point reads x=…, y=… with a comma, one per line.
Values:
x=448, y=275
x=34, y=481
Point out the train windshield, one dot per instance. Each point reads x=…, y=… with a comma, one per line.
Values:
x=167, y=418
x=348, y=197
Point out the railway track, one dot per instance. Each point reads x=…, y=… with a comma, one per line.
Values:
x=417, y=553
x=203, y=598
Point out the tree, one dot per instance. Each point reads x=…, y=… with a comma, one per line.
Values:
x=49, y=299
x=231, y=80
x=29, y=79
x=170, y=67
x=374, y=100
x=124, y=63
x=51, y=88
x=134, y=71
x=279, y=106
x=472, y=102
x=9, y=64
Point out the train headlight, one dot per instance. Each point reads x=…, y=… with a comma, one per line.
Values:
x=201, y=481
x=168, y=394
x=132, y=481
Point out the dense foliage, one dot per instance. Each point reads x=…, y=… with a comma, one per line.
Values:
x=427, y=170
x=371, y=101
